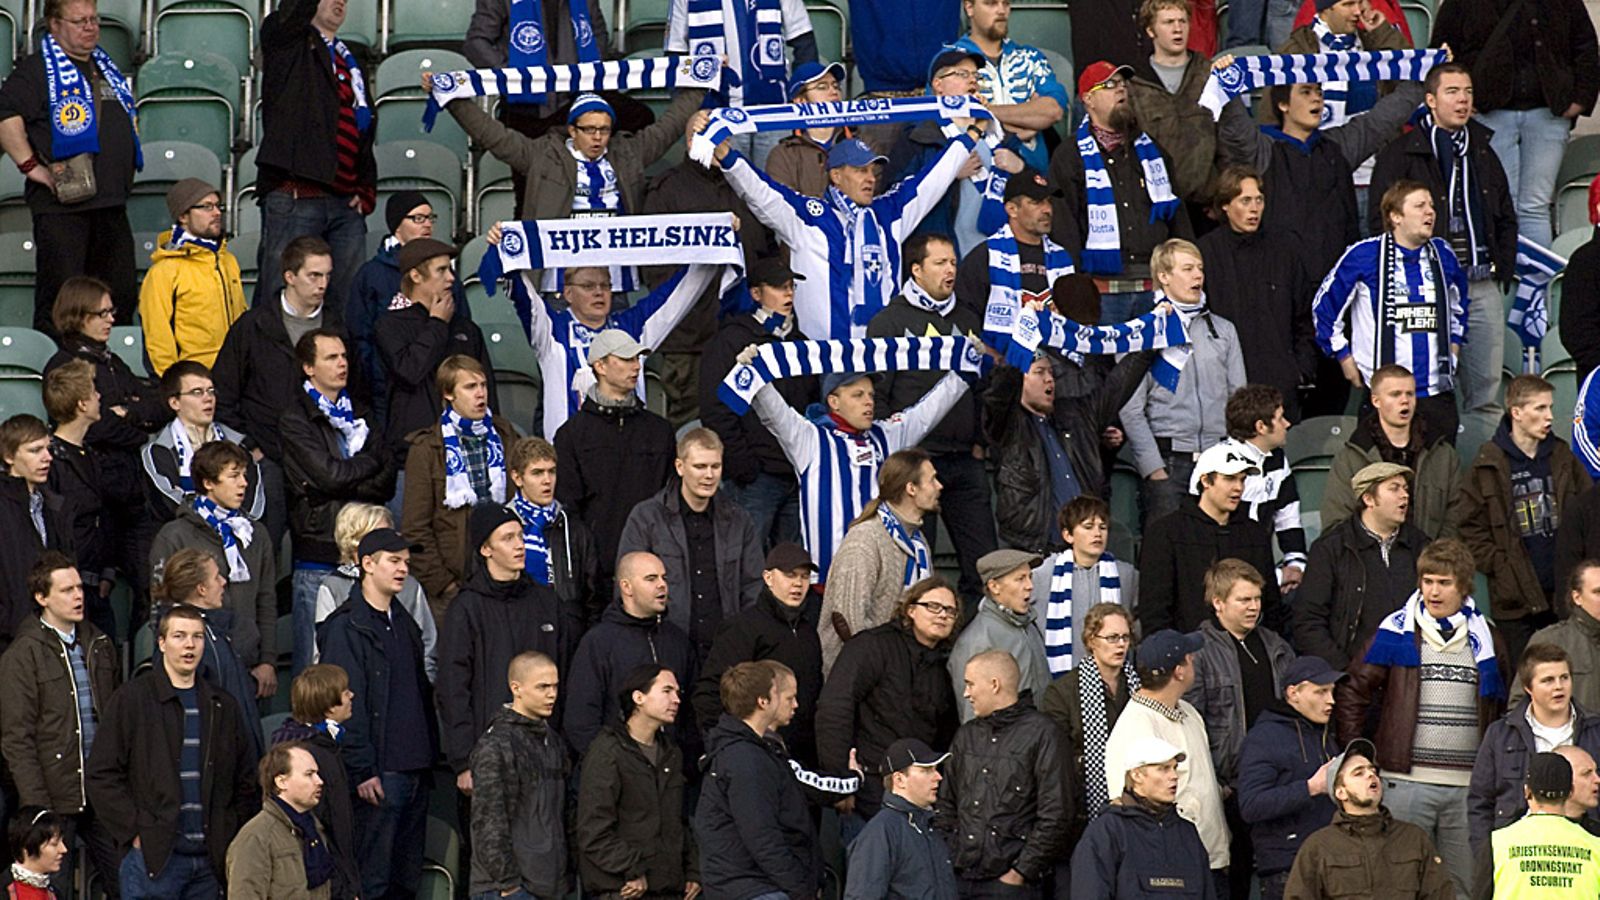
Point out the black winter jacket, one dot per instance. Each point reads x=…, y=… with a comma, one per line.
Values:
x=749, y=449
x=1062, y=703
x=320, y=479
x=1580, y=307
x=1348, y=588
x=411, y=345
x=630, y=815
x=1025, y=509
x=1562, y=54
x=488, y=624
x=607, y=653
x=257, y=376
x=1179, y=547
x=1132, y=851
x=1259, y=283
x=132, y=772
x=577, y=566
x=1280, y=754
x=962, y=427
x=520, y=770
x=336, y=809
x=752, y=824
x=767, y=629
x=118, y=438
x=300, y=108
x=21, y=549
x=884, y=686
x=611, y=458
x=1004, y=800
x=77, y=476
x=1495, y=799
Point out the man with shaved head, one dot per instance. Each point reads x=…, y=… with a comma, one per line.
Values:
x=1585, y=798
x=1008, y=743
x=633, y=630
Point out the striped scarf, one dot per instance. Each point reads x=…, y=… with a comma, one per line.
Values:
x=235, y=530
x=1249, y=73
x=1168, y=367
x=790, y=359
x=181, y=238
x=653, y=73
x=527, y=45
x=342, y=416
x=1342, y=99
x=1058, y=612
x=866, y=257
x=1463, y=210
x=919, y=298
x=1530, y=316
x=598, y=190
x=1396, y=641
x=535, y=519
x=1396, y=290
x=458, y=490
x=911, y=543
x=731, y=121
x=1005, y=290
x=1102, y=251
x=184, y=450
x=345, y=61
x=1155, y=330
x=754, y=50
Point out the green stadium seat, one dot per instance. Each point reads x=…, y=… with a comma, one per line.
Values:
x=144, y=244
x=441, y=858
x=165, y=164
x=17, y=268
x=1568, y=241
x=223, y=27
x=23, y=353
x=144, y=649
x=191, y=97
x=272, y=722
x=245, y=247
x=471, y=254
x=1318, y=439
x=1047, y=26
x=831, y=25
x=419, y=166
x=496, y=199
x=11, y=31
x=1579, y=164
x=1420, y=17
x=127, y=342
x=1572, y=207
x=648, y=35
x=428, y=23
x=14, y=214
x=516, y=369
x=400, y=100
x=121, y=29
x=244, y=214
x=1566, y=381
x=361, y=24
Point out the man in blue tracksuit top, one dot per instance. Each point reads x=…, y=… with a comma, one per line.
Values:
x=846, y=244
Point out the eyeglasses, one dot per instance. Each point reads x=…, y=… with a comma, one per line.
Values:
x=422, y=218
x=593, y=130
x=591, y=286
x=1109, y=84
x=85, y=22
x=963, y=74
x=106, y=313
x=197, y=393
x=938, y=609
x=1115, y=639
x=213, y=206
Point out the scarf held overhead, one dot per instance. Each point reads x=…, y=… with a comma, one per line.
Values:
x=653, y=73
x=1248, y=73
x=527, y=44
x=617, y=241
x=731, y=121
x=1023, y=331
x=1396, y=641
x=788, y=359
x=756, y=60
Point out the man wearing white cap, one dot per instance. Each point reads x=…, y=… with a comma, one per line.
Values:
x=1180, y=546
x=1141, y=842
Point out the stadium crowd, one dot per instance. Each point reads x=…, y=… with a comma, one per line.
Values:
x=712, y=646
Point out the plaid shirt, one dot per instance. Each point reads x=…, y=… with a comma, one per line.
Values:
x=475, y=452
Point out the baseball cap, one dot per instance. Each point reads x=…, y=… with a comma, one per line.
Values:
x=771, y=270
x=588, y=103
x=787, y=557
x=1314, y=669
x=384, y=540
x=1372, y=475
x=853, y=152
x=1000, y=563
x=1148, y=751
x=1359, y=747
x=1098, y=73
x=1549, y=776
x=831, y=383
x=1166, y=648
x=615, y=342
x=953, y=53
x=421, y=250
x=908, y=752
x=1029, y=183
x=1221, y=459
x=806, y=73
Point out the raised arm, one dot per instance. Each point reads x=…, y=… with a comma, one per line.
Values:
x=905, y=204
x=912, y=424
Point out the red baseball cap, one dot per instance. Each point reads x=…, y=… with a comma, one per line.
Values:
x=1098, y=73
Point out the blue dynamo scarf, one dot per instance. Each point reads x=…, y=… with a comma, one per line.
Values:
x=73, y=124
x=527, y=45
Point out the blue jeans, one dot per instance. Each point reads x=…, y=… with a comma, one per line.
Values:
x=1117, y=308
x=1279, y=24
x=773, y=504
x=1245, y=22
x=1530, y=143
x=182, y=878
x=1441, y=811
x=304, y=613
x=1158, y=498
x=284, y=218
x=389, y=837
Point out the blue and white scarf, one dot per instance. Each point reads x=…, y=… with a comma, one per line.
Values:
x=184, y=451
x=732, y=121
x=180, y=238
x=235, y=530
x=790, y=359
x=1396, y=641
x=864, y=259
x=920, y=299
x=1169, y=366
x=1058, y=649
x=654, y=73
x=1469, y=228
x=540, y=564
x=1102, y=251
x=342, y=416
x=73, y=126
x=911, y=543
x=597, y=190
x=1033, y=329
x=1530, y=315
x=1005, y=290
x=1342, y=99
x=337, y=50
x=616, y=241
x=774, y=323
x=526, y=44
x=756, y=59
x=458, y=490
x=1249, y=73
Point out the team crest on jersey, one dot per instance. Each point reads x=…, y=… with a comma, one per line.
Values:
x=511, y=242
x=814, y=208
x=872, y=260
x=527, y=37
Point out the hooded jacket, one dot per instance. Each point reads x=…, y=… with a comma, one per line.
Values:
x=1137, y=850
x=188, y=300
x=411, y=346
x=1004, y=800
x=767, y=629
x=254, y=603
x=608, y=652
x=1495, y=799
x=320, y=479
x=1375, y=856
x=520, y=770
x=899, y=856
x=1348, y=588
x=885, y=686
x=1437, y=506
x=489, y=623
x=336, y=810
x=630, y=815
x=41, y=732
x=611, y=458
x=1177, y=550
x=1218, y=691
x=1281, y=753
x=22, y=547
x=752, y=824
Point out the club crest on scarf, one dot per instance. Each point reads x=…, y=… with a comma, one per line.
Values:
x=528, y=37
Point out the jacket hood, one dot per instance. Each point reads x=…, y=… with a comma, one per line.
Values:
x=728, y=732
x=616, y=615
x=479, y=582
x=1001, y=719
x=1502, y=439
x=606, y=411
x=506, y=717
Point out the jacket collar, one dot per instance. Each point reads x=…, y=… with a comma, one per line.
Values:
x=1586, y=623
x=989, y=607
x=810, y=608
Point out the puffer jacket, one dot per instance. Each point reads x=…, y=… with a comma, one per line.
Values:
x=1178, y=124
x=1218, y=695
x=752, y=823
x=885, y=686
x=1579, y=635
x=1495, y=797
x=1436, y=503
x=607, y=653
x=1003, y=799
x=1282, y=751
x=1137, y=850
x=1377, y=857
x=1348, y=588
x=187, y=302
x=520, y=769
x=320, y=478
x=40, y=731
x=630, y=815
